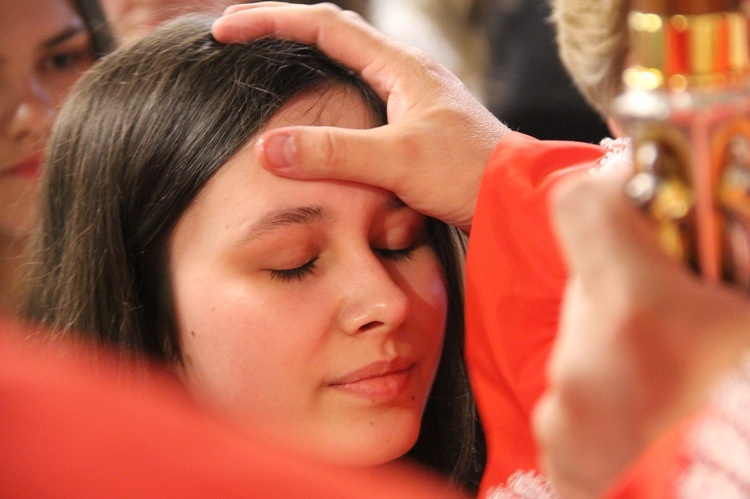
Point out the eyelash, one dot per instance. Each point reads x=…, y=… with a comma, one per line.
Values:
x=295, y=274
x=397, y=255
x=64, y=60
x=299, y=273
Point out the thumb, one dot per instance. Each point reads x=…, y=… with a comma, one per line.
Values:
x=583, y=215
x=319, y=152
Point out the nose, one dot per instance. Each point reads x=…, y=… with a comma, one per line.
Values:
x=374, y=298
x=31, y=113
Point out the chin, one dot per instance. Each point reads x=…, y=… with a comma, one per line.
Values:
x=370, y=448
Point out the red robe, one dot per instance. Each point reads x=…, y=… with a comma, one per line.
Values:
x=515, y=281
x=657, y=473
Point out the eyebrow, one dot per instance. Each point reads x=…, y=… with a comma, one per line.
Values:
x=59, y=38
x=275, y=220
x=63, y=36
x=300, y=215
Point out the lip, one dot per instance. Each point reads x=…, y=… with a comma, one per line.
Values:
x=380, y=381
x=29, y=167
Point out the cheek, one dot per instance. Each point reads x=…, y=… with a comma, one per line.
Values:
x=212, y=332
x=429, y=296
x=240, y=344
x=221, y=328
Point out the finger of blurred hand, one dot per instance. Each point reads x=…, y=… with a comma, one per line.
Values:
x=598, y=227
x=641, y=342
x=596, y=413
x=559, y=444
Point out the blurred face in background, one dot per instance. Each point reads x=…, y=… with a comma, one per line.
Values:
x=44, y=48
x=133, y=19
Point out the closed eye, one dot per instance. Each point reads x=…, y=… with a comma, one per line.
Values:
x=396, y=254
x=295, y=274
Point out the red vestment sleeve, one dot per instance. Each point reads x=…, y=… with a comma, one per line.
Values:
x=515, y=280
x=657, y=472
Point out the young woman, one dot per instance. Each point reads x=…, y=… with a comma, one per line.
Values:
x=44, y=47
x=327, y=312
x=691, y=324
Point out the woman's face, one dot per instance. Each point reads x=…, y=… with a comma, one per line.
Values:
x=311, y=310
x=44, y=47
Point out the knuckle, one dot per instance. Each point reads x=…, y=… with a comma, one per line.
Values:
x=329, y=8
x=336, y=151
x=327, y=151
x=351, y=15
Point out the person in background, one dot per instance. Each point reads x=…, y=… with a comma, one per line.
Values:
x=526, y=85
x=325, y=314
x=45, y=45
x=450, y=32
x=133, y=19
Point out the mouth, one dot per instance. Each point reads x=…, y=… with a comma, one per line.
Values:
x=29, y=167
x=381, y=381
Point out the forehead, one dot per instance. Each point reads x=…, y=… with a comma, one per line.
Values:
x=32, y=22
x=241, y=189
x=335, y=106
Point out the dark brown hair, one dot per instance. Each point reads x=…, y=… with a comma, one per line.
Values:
x=135, y=143
x=102, y=41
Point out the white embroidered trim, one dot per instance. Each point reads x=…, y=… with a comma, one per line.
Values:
x=523, y=485
x=617, y=157
x=719, y=444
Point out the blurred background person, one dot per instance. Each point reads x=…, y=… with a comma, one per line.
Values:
x=44, y=47
x=525, y=84
x=133, y=19
x=449, y=31
x=505, y=53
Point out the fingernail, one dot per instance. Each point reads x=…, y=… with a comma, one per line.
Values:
x=278, y=150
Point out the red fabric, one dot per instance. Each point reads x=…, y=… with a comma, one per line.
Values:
x=656, y=474
x=79, y=423
x=515, y=280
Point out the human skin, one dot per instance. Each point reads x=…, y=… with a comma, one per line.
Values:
x=324, y=327
x=44, y=47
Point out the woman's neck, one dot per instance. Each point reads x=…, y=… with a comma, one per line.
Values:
x=12, y=251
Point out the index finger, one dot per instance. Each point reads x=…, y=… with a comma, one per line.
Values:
x=598, y=228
